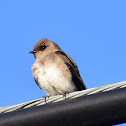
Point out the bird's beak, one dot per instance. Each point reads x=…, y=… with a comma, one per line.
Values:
x=33, y=52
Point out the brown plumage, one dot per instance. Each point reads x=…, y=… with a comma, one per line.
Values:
x=54, y=71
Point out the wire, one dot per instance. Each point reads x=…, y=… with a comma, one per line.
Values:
x=52, y=99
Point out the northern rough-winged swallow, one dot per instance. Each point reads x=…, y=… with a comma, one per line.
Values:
x=54, y=71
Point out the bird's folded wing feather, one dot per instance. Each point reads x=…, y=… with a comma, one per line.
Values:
x=73, y=69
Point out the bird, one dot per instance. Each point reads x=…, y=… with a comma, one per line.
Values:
x=54, y=71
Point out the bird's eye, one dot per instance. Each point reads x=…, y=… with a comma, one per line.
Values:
x=43, y=47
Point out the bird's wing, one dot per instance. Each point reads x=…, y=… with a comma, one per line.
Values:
x=73, y=69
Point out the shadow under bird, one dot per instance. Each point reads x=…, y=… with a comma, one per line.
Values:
x=54, y=71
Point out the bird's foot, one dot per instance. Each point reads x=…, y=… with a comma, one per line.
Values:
x=45, y=97
x=64, y=95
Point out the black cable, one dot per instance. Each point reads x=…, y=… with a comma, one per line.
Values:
x=101, y=109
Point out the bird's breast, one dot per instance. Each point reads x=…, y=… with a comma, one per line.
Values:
x=53, y=78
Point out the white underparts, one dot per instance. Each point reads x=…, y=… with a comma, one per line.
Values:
x=53, y=78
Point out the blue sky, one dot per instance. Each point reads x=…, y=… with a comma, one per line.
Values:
x=92, y=32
